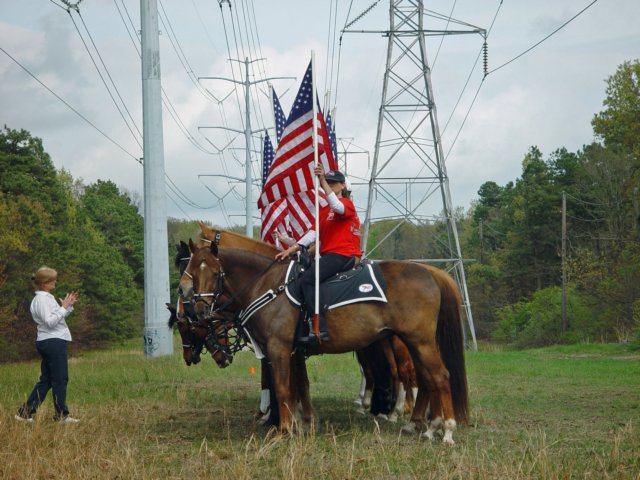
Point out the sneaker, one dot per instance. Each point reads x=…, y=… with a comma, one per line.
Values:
x=20, y=418
x=69, y=420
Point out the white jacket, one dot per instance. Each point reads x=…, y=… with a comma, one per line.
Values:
x=49, y=316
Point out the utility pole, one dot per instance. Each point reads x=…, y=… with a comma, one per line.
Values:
x=564, y=262
x=409, y=175
x=247, y=135
x=158, y=338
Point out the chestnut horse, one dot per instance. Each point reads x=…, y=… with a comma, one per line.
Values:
x=424, y=313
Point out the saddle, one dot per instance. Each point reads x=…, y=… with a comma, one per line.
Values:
x=363, y=283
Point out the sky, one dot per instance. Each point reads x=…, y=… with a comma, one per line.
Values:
x=547, y=97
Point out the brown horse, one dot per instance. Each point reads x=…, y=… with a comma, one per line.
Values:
x=211, y=333
x=422, y=312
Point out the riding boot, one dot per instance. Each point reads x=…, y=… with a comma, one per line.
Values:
x=302, y=328
x=311, y=338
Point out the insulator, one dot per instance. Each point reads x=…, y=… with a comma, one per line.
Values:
x=485, y=57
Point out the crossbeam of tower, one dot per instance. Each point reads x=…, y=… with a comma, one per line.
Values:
x=409, y=181
x=247, y=132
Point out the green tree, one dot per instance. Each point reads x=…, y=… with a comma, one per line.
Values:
x=114, y=214
x=619, y=124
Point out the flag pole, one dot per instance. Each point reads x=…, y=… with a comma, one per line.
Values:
x=316, y=186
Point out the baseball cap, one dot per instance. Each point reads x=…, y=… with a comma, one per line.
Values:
x=334, y=176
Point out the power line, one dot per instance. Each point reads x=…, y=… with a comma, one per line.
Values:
x=545, y=38
x=70, y=107
x=173, y=113
x=136, y=138
x=455, y=139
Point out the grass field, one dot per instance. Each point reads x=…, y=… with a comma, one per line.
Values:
x=563, y=412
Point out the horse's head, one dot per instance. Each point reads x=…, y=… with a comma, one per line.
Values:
x=217, y=339
x=192, y=342
x=202, y=280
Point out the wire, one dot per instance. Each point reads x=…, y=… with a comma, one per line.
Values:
x=177, y=48
x=136, y=138
x=495, y=16
x=449, y=18
x=545, y=38
x=173, y=113
x=584, y=201
x=58, y=5
x=70, y=107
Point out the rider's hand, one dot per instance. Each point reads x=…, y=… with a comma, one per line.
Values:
x=284, y=255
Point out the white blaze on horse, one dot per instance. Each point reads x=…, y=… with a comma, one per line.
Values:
x=423, y=310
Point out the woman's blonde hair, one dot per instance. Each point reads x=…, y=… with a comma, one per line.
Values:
x=43, y=275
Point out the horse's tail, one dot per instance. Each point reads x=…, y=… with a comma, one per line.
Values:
x=450, y=340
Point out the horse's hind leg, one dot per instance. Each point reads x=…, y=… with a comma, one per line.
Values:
x=433, y=391
x=440, y=402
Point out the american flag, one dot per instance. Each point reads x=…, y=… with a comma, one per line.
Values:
x=274, y=217
x=280, y=119
x=301, y=209
x=331, y=128
x=292, y=168
x=268, y=154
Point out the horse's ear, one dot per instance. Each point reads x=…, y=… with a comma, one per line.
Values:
x=183, y=247
x=192, y=247
x=214, y=249
x=203, y=228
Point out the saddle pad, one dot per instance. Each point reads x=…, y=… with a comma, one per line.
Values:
x=363, y=283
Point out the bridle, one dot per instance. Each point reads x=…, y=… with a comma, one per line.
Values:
x=239, y=338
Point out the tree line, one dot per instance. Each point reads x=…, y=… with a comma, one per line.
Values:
x=93, y=235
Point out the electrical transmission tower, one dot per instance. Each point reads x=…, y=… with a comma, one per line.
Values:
x=247, y=132
x=409, y=181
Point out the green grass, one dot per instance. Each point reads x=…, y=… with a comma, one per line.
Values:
x=561, y=412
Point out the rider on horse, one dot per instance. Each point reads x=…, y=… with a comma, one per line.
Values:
x=339, y=243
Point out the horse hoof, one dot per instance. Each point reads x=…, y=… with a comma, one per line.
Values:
x=429, y=435
x=409, y=428
x=393, y=418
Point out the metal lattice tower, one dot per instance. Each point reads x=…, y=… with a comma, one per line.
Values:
x=409, y=181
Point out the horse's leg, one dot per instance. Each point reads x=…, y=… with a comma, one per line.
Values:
x=398, y=391
x=265, y=392
x=430, y=367
x=406, y=374
x=364, y=359
x=300, y=385
x=281, y=367
x=363, y=384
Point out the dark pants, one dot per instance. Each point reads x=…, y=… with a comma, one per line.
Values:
x=54, y=376
x=330, y=264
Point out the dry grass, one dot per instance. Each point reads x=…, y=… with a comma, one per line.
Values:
x=549, y=414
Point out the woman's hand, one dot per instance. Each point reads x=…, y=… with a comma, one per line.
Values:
x=319, y=171
x=284, y=255
x=70, y=299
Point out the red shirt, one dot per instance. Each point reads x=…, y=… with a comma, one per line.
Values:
x=340, y=233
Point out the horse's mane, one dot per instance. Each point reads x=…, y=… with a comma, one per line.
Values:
x=229, y=239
